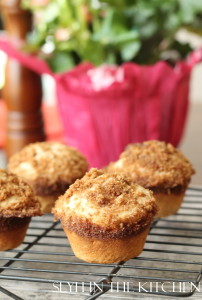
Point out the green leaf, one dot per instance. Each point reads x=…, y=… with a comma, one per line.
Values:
x=124, y=38
x=110, y=58
x=128, y=51
x=107, y=23
x=148, y=30
x=60, y=62
x=92, y=52
x=51, y=12
x=189, y=9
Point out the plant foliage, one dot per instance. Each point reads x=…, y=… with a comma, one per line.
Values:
x=109, y=31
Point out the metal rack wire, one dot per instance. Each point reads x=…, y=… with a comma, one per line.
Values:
x=172, y=259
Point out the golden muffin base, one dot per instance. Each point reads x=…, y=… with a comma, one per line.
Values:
x=12, y=238
x=168, y=204
x=106, y=251
x=47, y=203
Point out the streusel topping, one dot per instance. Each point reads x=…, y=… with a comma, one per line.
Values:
x=48, y=162
x=154, y=164
x=16, y=197
x=110, y=201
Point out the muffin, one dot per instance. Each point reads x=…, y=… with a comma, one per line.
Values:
x=106, y=217
x=160, y=167
x=49, y=168
x=17, y=206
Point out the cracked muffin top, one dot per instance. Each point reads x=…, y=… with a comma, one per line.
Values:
x=16, y=197
x=154, y=164
x=105, y=205
x=48, y=166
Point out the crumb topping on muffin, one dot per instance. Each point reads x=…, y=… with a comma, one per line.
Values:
x=16, y=197
x=105, y=205
x=50, y=167
x=154, y=164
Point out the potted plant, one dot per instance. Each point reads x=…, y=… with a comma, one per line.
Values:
x=119, y=69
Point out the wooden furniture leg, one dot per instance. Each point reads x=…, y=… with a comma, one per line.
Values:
x=23, y=90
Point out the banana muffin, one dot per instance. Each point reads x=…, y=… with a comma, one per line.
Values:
x=106, y=217
x=17, y=205
x=160, y=167
x=49, y=168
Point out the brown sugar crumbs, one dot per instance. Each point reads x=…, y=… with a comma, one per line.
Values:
x=154, y=164
x=16, y=197
x=117, y=204
x=48, y=162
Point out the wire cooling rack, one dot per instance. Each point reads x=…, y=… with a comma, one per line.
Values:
x=170, y=264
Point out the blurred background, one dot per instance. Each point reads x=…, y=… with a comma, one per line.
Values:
x=101, y=32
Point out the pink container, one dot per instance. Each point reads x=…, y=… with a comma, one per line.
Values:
x=103, y=109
